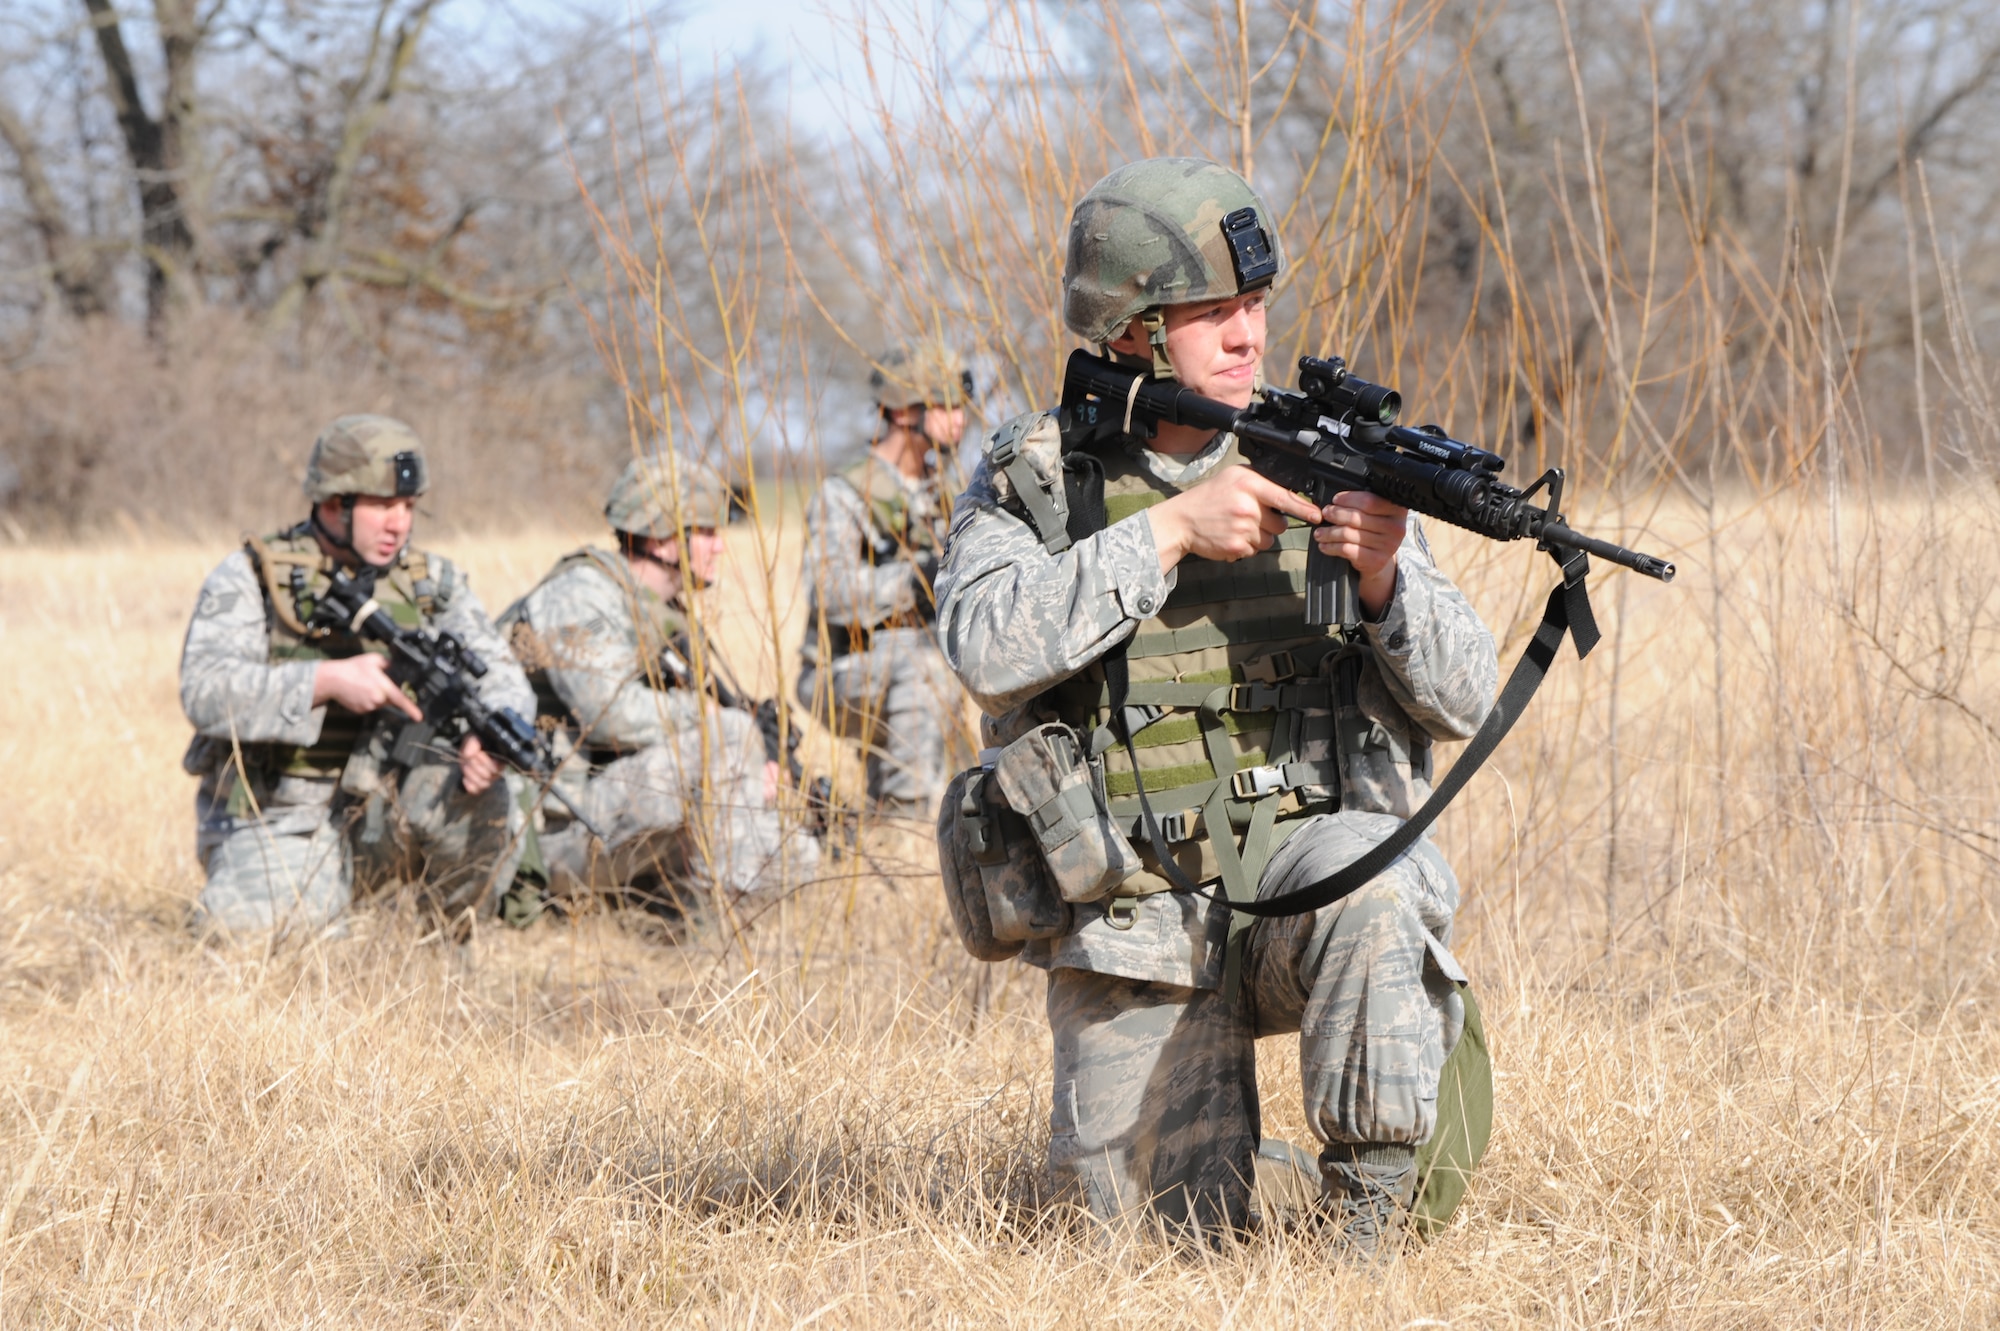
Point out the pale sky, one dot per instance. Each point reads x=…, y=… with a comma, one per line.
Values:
x=811, y=43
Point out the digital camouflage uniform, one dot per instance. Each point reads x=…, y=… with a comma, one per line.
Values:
x=674, y=781
x=870, y=664
x=298, y=804
x=1155, y=1091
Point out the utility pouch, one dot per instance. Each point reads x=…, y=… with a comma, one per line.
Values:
x=995, y=885
x=1050, y=780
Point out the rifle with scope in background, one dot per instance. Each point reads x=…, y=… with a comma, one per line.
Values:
x=1337, y=432
x=440, y=672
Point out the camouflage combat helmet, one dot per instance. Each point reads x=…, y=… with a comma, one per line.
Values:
x=922, y=374
x=1164, y=231
x=366, y=455
x=661, y=495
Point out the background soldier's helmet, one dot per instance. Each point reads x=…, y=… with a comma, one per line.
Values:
x=923, y=374
x=366, y=455
x=1164, y=231
x=663, y=495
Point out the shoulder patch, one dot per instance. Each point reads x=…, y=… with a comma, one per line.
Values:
x=215, y=602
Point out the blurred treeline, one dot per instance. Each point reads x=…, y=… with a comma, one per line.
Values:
x=1687, y=245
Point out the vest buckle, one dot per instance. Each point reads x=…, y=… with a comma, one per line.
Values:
x=1182, y=826
x=1273, y=669
x=1254, y=783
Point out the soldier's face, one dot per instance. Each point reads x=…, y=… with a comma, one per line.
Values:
x=376, y=526
x=700, y=558
x=1216, y=348
x=944, y=426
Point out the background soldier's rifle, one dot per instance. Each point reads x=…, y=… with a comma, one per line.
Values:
x=780, y=733
x=1336, y=432
x=440, y=671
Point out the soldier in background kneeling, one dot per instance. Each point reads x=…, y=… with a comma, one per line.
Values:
x=296, y=721
x=871, y=668
x=681, y=787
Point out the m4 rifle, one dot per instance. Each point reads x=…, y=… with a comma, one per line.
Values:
x=1337, y=432
x=441, y=673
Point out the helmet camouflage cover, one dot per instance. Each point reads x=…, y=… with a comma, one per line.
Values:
x=663, y=494
x=1164, y=231
x=922, y=374
x=366, y=455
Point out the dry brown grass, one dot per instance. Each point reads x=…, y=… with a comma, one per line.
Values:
x=1769, y=1099
x=1729, y=889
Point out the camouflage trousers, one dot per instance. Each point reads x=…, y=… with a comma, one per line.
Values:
x=690, y=812
x=297, y=858
x=1155, y=1099
x=903, y=703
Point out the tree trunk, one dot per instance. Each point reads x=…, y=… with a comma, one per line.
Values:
x=155, y=148
x=80, y=276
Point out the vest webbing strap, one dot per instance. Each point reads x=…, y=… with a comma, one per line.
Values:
x=1040, y=510
x=1568, y=612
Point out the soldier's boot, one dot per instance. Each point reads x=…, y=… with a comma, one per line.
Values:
x=1287, y=1187
x=1368, y=1189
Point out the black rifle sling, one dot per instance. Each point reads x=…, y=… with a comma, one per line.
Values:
x=1568, y=612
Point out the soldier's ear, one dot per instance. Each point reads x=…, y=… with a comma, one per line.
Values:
x=1131, y=342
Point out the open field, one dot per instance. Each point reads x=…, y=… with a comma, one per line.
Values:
x=1730, y=897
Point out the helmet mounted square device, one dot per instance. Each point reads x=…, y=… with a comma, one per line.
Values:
x=1250, y=250
x=409, y=466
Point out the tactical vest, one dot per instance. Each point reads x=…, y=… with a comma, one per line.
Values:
x=901, y=532
x=293, y=571
x=658, y=622
x=905, y=531
x=1237, y=727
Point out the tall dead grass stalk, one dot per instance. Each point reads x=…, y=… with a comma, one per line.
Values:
x=1747, y=1071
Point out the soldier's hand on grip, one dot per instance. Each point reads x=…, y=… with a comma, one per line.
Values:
x=1231, y=515
x=361, y=684
x=476, y=767
x=1366, y=530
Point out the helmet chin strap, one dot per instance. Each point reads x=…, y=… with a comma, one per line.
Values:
x=1155, y=324
x=345, y=544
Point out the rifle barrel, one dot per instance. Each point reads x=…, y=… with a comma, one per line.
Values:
x=1557, y=533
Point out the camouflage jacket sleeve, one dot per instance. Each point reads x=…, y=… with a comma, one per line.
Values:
x=1436, y=656
x=459, y=612
x=229, y=688
x=844, y=584
x=1014, y=619
x=586, y=623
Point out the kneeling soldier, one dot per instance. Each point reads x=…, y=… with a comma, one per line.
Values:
x=680, y=787
x=296, y=722
x=874, y=532
x=1137, y=602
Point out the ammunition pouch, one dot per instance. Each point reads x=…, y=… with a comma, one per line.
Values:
x=996, y=885
x=1050, y=780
